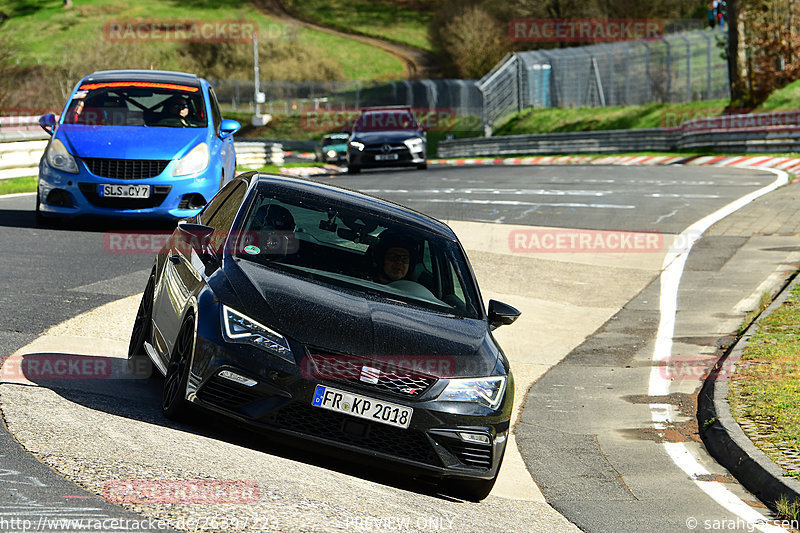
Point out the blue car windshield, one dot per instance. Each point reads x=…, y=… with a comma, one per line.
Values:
x=137, y=104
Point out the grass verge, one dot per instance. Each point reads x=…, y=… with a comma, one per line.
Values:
x=377, y=18
x=43, y=31
x=17, y=185
x=765, y=389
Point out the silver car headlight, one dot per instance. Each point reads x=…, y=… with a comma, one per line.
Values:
x=486, y=391
x=195, y=161
x=60, y=159
x=415, y=144
x=357, y=145
x=241, y=328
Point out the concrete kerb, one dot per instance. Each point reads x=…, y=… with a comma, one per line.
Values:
x=724, y=437
x=789, y=164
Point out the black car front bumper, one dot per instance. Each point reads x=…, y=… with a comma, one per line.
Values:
x=281, y=401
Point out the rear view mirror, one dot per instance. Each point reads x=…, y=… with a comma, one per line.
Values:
x=501, y=314
x=48, y=123
x=228, y=127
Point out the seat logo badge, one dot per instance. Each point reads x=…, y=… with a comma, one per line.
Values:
x=369, y=375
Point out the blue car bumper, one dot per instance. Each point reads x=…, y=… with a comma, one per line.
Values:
x=65, y=195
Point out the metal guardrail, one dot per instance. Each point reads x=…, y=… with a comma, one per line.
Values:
x=594, y=142
x=751, y=133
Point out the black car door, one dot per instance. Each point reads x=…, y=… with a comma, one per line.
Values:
x=186, y=270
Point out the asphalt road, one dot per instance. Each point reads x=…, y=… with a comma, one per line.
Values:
x=50, y=275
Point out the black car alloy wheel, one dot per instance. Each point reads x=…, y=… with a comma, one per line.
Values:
x=174, y=404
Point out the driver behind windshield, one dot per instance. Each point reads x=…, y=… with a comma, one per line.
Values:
x=392, y=257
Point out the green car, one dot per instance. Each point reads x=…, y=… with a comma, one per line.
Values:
x=332, y=148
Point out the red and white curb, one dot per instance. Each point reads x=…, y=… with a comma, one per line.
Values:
x=789, y=164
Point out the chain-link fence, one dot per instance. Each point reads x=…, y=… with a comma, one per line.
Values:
x=679, y=67
x=460, y=96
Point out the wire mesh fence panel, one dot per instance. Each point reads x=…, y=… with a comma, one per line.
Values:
x=460, y=96
x=676, y=68
x=500, y=89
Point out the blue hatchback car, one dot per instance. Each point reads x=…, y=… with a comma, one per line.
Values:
x=135, y=144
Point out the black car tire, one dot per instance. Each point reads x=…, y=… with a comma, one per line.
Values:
x=138, y=361
x=173, y=403
x=422, y=166
x=353, y=170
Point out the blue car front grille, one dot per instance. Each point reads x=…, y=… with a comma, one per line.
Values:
x=125, y=169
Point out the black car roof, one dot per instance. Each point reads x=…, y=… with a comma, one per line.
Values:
x=358, y=199
x=165, y=76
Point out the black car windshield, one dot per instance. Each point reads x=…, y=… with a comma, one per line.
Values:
x=362, y=251
x=137, y=104
x=327, y=141
x=386, y=120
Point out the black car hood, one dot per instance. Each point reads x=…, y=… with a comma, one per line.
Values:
x=329, y=319
x=374, y=137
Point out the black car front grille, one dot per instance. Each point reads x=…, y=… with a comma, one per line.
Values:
x=392, y=379
x=370, y=436
x=226, y=394
x=157, y=196
x=470, y=453
x=125, y=169
x=380, y=148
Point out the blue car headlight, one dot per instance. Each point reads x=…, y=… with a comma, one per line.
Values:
x=194, y=162
x=60, y=159
x=241, y=328
x=486, y=391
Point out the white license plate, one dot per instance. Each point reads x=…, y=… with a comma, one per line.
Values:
x=385, y=157
x=362, y=406
x=124, y=191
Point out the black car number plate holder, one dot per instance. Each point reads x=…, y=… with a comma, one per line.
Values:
x=364, y=407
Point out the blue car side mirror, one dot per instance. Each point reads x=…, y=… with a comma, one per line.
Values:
x=48, y=123
x=228, y=127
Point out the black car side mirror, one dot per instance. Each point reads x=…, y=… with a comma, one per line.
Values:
x=501, y=314
x=199, y=237
x=48, y=122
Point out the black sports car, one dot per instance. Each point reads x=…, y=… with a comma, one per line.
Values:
x=386, y=137
x=307, y=309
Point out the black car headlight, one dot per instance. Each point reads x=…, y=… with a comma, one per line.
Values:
x=486, y=391
x=415, y=144
x=241, y=328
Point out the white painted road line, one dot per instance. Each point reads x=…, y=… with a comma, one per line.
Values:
x=673, y=266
